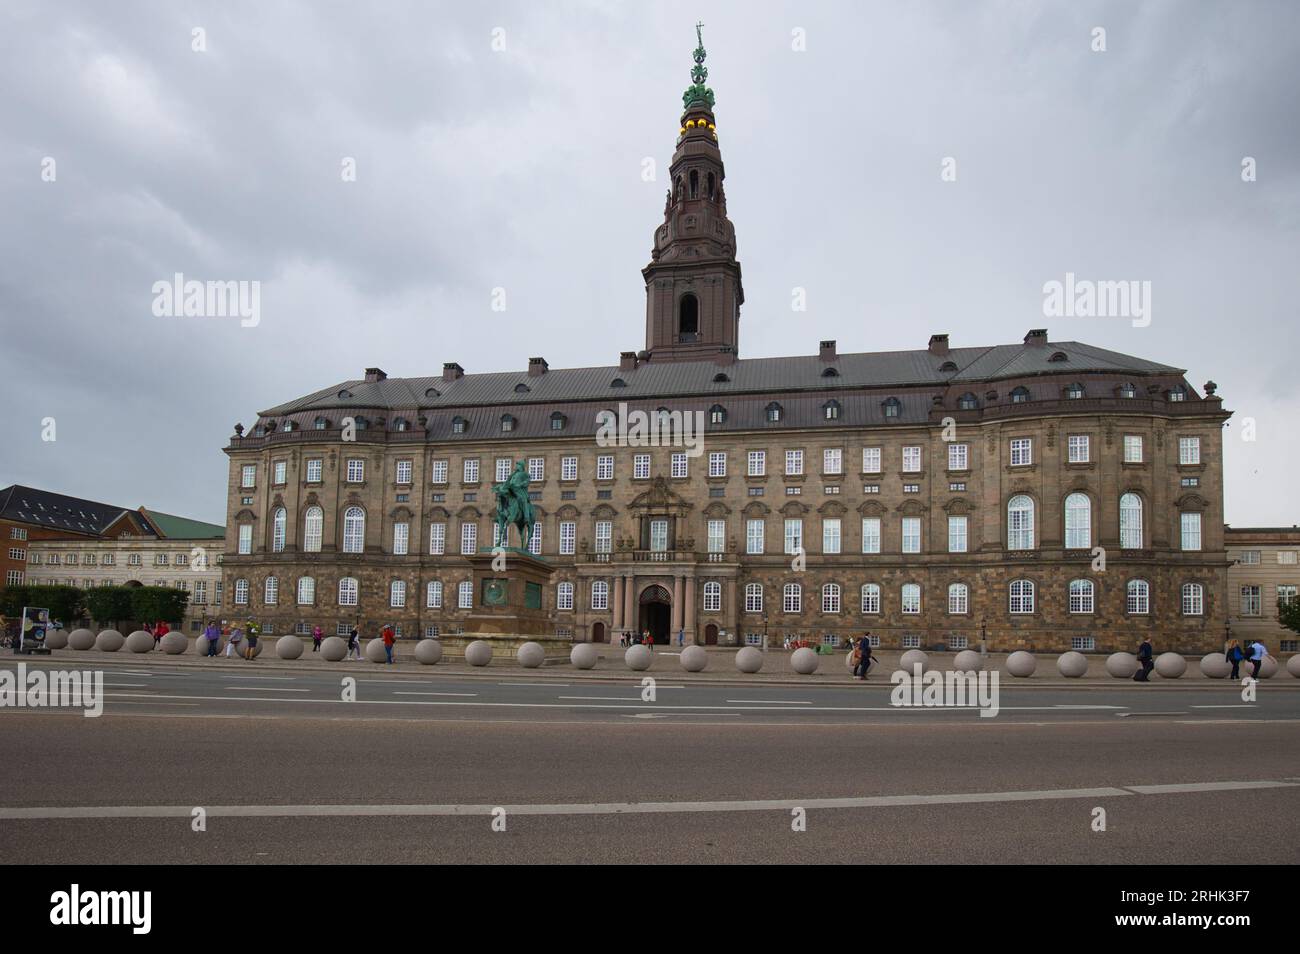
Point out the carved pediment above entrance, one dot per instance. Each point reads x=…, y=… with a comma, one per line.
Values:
x=660, y=498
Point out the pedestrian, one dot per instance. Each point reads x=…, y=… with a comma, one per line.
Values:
x=864, y=657
x=236, y=637
x=1234, y=656
x=649, y=640
x=1144, y=660
x=354, y=644
x=160, y=630
x=250, y=644
x=389, y=637
x=213, y=635
x=316, y=635
x=681, y=637
x=1257, y=653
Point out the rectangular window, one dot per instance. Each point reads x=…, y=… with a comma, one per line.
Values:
x=871, y=460
x=1132, y=448
x=280, y=470
x=468, y=538
x=958, y=456
x=438, y=473
x=1252, y=600
x=1191, y=531
x=911, y=459
x=604, y=535
x=1249, y=558
x=658, y=536
x=794, y=463
x=564, y=596
x=397, y=594
x=717, y=536
x=245, y=538
x=17, y=533
x=568, y=537
x=504, y=465
x=831, y=535
x=1022, y=451
x=679, y=466
x=754, y=536
x=437, y=539
x=757, y=463
x=717, y=464
x=605, y=467
x=306, y=590
x=314, y=470
x=753, y=598
x=792, y=599
x=248, y=476
x=404, y=470
x=793, y=535
x=871, y=599
x=1080, y=449
x=832, y=461
x=957, y=534
x=712, y=597
x=1286, y=594
x=600, y=595
x=911, y=599
x=568, y=468
x=537, y=468
x=356, y=470
x=469, y=470
x=465, y=595
x=911, y=534
x=1189, y=450
x=641, y=467
x=1084, y=644
x=870, y=534
x=401, y=538
x=433, y=595
x=1286, y=557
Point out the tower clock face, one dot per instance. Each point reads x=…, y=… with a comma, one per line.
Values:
x=494, y=592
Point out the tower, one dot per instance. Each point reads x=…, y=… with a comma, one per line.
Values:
x=693, y=287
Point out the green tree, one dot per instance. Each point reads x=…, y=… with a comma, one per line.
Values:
x=65, y=603
x=151, y=603
x=109, y=604
x=1288, y=614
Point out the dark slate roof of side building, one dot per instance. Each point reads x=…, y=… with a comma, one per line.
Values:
x=43, y=508
x=751, y=375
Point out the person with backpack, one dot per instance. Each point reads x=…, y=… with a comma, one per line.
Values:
x=1234, y=656
x=316, y=636
x=1257, y=653
x=389, y=637
x=1144, y=655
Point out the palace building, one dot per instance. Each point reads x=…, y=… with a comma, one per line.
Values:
x=1041, y=494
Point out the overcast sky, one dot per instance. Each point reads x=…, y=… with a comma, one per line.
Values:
x=522, y=168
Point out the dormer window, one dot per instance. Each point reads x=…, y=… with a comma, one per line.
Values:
x=459, y=425
x=1020, y=395
x=401, y=424
x=345, y=394
x=831, y=410
x=717, y=414
x=1058, y=356
x=432, y=393
x=361, y=422
x=618, y=383
x=1178, y=393
x=320, y=423
x=948, y=367
x=774, y=413
x=558, y=421
x=522, y=388
x=721, y=378
x=1128, y=391
x=892, y=407
x=1074, y=392
x=968, y=402
x=830, y=373
x=507, y=423
x=288, y=426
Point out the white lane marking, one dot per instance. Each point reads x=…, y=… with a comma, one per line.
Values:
x=1240, y=705
x=125, y=703
x=268, y=678
x=783, y=702
x=399, y=692
x=1064, y=706
x=547, y=685
x=1205, y=787
x=128, y=685
x=265, y=689
x=622, y=808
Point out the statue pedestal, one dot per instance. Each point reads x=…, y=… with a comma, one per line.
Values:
x=510, y=605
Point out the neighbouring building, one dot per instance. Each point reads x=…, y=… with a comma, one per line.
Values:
x=1042, y=494
x=1262, y=571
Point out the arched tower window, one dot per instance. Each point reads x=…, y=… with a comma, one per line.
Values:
x=695, y=183
x=688, y=316
x=713, y=187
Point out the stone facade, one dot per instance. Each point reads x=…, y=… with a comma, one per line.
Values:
x=1262, y=569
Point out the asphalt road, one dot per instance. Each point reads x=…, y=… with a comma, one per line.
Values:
x=419, y=768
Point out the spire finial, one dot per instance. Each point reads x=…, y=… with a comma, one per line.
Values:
x=697, y=92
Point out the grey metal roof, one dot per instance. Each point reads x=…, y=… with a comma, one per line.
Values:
x=678, y=379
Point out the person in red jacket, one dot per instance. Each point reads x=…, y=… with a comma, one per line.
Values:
x=389, y=638
x=160, y=630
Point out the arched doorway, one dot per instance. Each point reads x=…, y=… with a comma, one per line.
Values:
x=711, y=634
x=598, y=633
x=655, y=613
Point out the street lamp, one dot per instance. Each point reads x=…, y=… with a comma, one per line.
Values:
x=764, y=629
x=984, y=632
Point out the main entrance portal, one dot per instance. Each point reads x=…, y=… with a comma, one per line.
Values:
x=655, y=614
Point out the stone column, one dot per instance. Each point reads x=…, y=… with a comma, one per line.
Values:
x=629, y=603
x=677, y=607
x=691, y=635
x=617, y=606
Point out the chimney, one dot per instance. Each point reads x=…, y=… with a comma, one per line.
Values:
x=627, y=360
x=375, y=374
x=1036, y=336
x=828, y=351
x=451, y=371
x=726, y=355
x=939, y=344
x=537, y=367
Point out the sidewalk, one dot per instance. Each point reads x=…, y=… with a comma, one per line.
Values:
x=610, y=668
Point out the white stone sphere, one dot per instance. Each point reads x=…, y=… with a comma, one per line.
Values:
x=141, y=641
x=1072, y=665
x=288, y=646
x=913, y=658
x=749, y=659
x=1268, y=669
x=804, y=660
x=56, y=639
x=638, y=657
x=84, y=638
x=1170, y=665
x=694, y=658
x=530, y=655
x=1021, y=664
x=428, y=652
x=478, y=653
x=1121, y=665
x=968, y=661
x=1293, y=665
x=173, y=644
x=1215, y=666
x=584, y=655
x=374, y=651
x=333, y=648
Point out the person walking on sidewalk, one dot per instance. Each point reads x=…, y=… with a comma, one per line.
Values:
x=1234, y=656
x=354, y=644
x=1144, y=660
x=213, y=635
x=1257, y=653
x=316, y=635
x=863, y=665
x=236, y=637
x=389, y=637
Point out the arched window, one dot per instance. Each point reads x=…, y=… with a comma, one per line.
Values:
x=1078, y=522
x=721, y=378
x=279, y=518
x=1020, y=523
x=401, y=424
x=968, y=402
x=892, y=407
x=774, y=413
x=831, y=410
x=1081, y=596
x=1193, y=599
x=361, y=423
x=792, y=598
x=271, y=591
x=306, y=590
x=354, y=530
x=713, y=186
x=948, y=367
x=871, y=597
x=958, y=598
x=1138, y=597
x=695, y=183
x=1019, y=395
x=831, y=598
x=433, y=594
x=911, y=599
x=713, y=597
x=1130, y=522
x=348, y=591
x=312, y=523
x=1022, y=596
x=830, y=373
x=688, y=317
x=717, y=414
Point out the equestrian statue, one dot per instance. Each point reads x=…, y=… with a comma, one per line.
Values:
x=514, y=507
